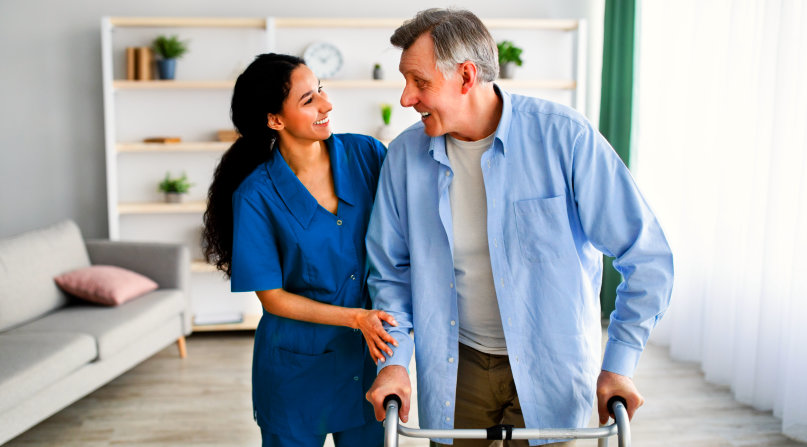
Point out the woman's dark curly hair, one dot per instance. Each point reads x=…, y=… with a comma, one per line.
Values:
x=259, y=91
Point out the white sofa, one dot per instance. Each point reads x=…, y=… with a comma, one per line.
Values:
x=55, y=349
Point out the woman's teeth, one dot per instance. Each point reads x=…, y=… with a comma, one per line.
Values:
x=322, y=121
x=424, y=114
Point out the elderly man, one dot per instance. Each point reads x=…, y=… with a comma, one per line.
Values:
x=486, y=238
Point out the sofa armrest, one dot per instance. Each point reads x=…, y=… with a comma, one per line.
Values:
x=169, y=265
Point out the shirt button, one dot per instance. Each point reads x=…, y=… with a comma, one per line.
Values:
x=453, y=323
x=451, y=285
x=448, y=404
x=451, y=360
x=448, y=173
x=353, y=277
x=448, y=419
x=338, y=221
x=356, y=378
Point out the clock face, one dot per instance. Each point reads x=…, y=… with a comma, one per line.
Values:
x=323, y=59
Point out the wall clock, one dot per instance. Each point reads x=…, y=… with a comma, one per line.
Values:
x=323, y=58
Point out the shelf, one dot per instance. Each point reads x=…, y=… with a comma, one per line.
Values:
x=201, y=22
x=554, y=84
x=172, y=85
x=201, y=266
x=250, y=322
x=291, y=22
x=190, y=146
x=161, y=208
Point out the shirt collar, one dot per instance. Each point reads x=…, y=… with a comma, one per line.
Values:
x=437, y=145
x=300, y=203
x=503, y=130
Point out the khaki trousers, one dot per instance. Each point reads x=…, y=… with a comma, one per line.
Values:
x=486, y=396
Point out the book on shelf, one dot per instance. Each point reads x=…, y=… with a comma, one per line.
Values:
x=131, y=58
x=139, y=64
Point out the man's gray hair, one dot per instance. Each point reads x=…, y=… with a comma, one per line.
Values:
x=458, y=36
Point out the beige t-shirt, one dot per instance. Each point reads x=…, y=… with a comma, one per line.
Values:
x=479, y=318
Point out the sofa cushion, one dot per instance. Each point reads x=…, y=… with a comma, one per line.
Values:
x=114, y=327
x=28, y=264
x=34, y=360
x=107, y=285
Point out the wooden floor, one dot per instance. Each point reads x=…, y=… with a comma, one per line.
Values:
x=205, y=400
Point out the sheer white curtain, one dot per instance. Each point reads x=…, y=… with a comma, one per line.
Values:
x=721, y=153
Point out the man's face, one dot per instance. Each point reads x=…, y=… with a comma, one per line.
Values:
x=436, y=98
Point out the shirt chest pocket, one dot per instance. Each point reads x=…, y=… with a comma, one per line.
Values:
x=543, y=229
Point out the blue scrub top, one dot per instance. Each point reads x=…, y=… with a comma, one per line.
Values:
x=306, y=377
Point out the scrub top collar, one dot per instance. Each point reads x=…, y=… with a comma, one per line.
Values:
x=301, y=204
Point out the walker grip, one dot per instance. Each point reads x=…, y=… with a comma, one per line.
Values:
x=612, y=401
x=392, y=397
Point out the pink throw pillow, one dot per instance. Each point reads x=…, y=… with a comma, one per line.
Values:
x=105, y=284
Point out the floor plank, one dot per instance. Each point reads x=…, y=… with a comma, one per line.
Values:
x=204, y=400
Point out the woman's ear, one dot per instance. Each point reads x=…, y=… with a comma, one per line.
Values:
x=274, y=121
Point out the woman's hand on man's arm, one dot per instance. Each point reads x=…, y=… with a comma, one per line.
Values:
x=370, y=324
x=297, y=307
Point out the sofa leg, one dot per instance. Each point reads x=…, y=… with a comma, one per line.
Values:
x=183, y=351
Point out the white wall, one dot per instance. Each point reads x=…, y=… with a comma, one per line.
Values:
x=51, y=116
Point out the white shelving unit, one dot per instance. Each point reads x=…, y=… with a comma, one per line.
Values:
x=196, y=105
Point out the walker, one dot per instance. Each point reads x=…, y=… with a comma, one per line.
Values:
x=616, y=406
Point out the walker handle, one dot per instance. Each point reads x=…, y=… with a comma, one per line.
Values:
x=391, y=405
x=618, y=408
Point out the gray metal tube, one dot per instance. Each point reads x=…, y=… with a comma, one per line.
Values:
x=518, y=433
x=623, y=423
x=391, y=424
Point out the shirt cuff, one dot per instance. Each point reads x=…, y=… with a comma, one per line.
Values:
x=620, y=358
x=400, y=355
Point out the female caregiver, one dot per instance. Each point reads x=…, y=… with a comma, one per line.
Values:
x=286, y=217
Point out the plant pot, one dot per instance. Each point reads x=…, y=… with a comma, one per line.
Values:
x=174, y=197
x=385, y=133
x=378, y=73
x=507, y=71
x=166, y=68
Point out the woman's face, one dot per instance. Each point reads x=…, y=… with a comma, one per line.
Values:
x=304, y=116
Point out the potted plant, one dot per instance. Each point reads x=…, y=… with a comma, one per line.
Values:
x=169, y=48
x=509, y=57
x=175, y=188
x=385, y=132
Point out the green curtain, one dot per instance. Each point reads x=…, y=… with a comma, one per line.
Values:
x=616, y=106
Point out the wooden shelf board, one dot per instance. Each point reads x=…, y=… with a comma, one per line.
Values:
x=161, y=208
x=199, y=266
x=547, y=24
x=250, y=322
x=190, y=146
x=315, y=22
x=202, y=22
x=558, y=84
x=171, y=85
x=551, y=84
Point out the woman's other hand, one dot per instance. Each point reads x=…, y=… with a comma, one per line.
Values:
x=369, y=322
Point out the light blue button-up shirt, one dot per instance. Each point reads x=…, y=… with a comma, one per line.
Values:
x=558, y=197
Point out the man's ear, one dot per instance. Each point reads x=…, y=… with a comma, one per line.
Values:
x=467, y=72
x=275, y=122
